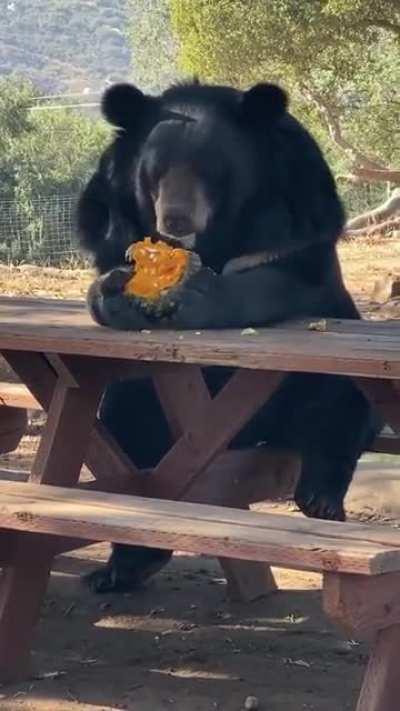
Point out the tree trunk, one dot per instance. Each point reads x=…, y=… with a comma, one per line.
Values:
x=381, y=220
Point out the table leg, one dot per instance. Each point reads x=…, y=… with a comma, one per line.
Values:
x=103, y=457
x=381, y=687
x=369, y=607
x=23, y=586
x=59, y=460
x=187, y=405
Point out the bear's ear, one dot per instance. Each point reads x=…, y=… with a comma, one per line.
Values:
x=123, y=105
x=264, y=103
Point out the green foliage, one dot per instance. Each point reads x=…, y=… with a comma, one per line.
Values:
x=153, y=45
x=46, y=151
x=359, y=15
x=42, y=154
x=340, y=60
x=64, y=44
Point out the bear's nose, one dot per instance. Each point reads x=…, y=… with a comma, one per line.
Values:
x=177, y=224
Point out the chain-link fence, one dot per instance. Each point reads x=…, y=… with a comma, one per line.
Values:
x=44, y=231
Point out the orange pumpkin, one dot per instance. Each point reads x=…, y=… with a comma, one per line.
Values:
x=159, y=271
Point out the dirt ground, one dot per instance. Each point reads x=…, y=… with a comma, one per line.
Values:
x=178, y=643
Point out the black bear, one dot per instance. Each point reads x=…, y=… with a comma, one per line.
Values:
x=234, y=177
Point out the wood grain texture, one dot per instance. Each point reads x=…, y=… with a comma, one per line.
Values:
x=64, y=441
x=198, y=528
x=362, y=605
x=247, y=580
x=385, y=395
x=186, y=402
x=103, y=457
x=24, y=583
x=184, y=397
x=367, y=349
x=13, y=426
x=17, y=395
x=381, y=687
x=221, y=420
x=59, y=459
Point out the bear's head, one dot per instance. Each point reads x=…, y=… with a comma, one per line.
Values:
x=195, y=163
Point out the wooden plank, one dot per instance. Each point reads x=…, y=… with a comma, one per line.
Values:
x=24, y=583
x=353, y=348
x=381, y=687
x=234, y=405
x=13, y=426
x=7, y=547
x=104, y=458
x=184, y=397
x=173, y=525
x=17, y=395
x=58, y=460
x=234, y=478
x=186, y=401
x=247, y=580
x=386, y=443
x=385, y=395
x=347, y=533
x=65, y=435
x=362, y=605
x=62, y=371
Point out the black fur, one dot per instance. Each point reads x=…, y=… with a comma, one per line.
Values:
x=269, y=190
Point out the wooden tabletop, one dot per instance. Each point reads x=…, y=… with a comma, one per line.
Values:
x=368, y=348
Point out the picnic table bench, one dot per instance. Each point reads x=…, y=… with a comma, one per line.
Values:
x=65, y=361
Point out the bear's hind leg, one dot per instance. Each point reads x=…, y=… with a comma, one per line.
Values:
x=145, y=439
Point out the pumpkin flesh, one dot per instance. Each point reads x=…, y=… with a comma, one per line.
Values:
x=158, y=267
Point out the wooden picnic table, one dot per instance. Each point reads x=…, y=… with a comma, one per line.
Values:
x=66, y=361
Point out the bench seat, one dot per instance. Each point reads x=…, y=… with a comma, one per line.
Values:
x=286, y=541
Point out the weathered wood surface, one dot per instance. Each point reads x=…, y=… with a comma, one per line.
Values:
x=381, y=687
x=206, y=436
x=103, y=455
x=362, y=605
x=17, y=395
x=246, y=580
x=13, y=425
x=354, y=348
x=197, y=528
x=59, y=459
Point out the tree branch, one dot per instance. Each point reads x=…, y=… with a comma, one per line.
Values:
x=364, y=175
x=383, y=212
x=379, y=229
x=331, y=117
x=382, y=25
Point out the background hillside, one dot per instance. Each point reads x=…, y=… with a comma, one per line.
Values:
x=64, y=45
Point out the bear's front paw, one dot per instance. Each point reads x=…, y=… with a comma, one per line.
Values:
x=114, y=281
x=109, y=305
x=199, y=303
